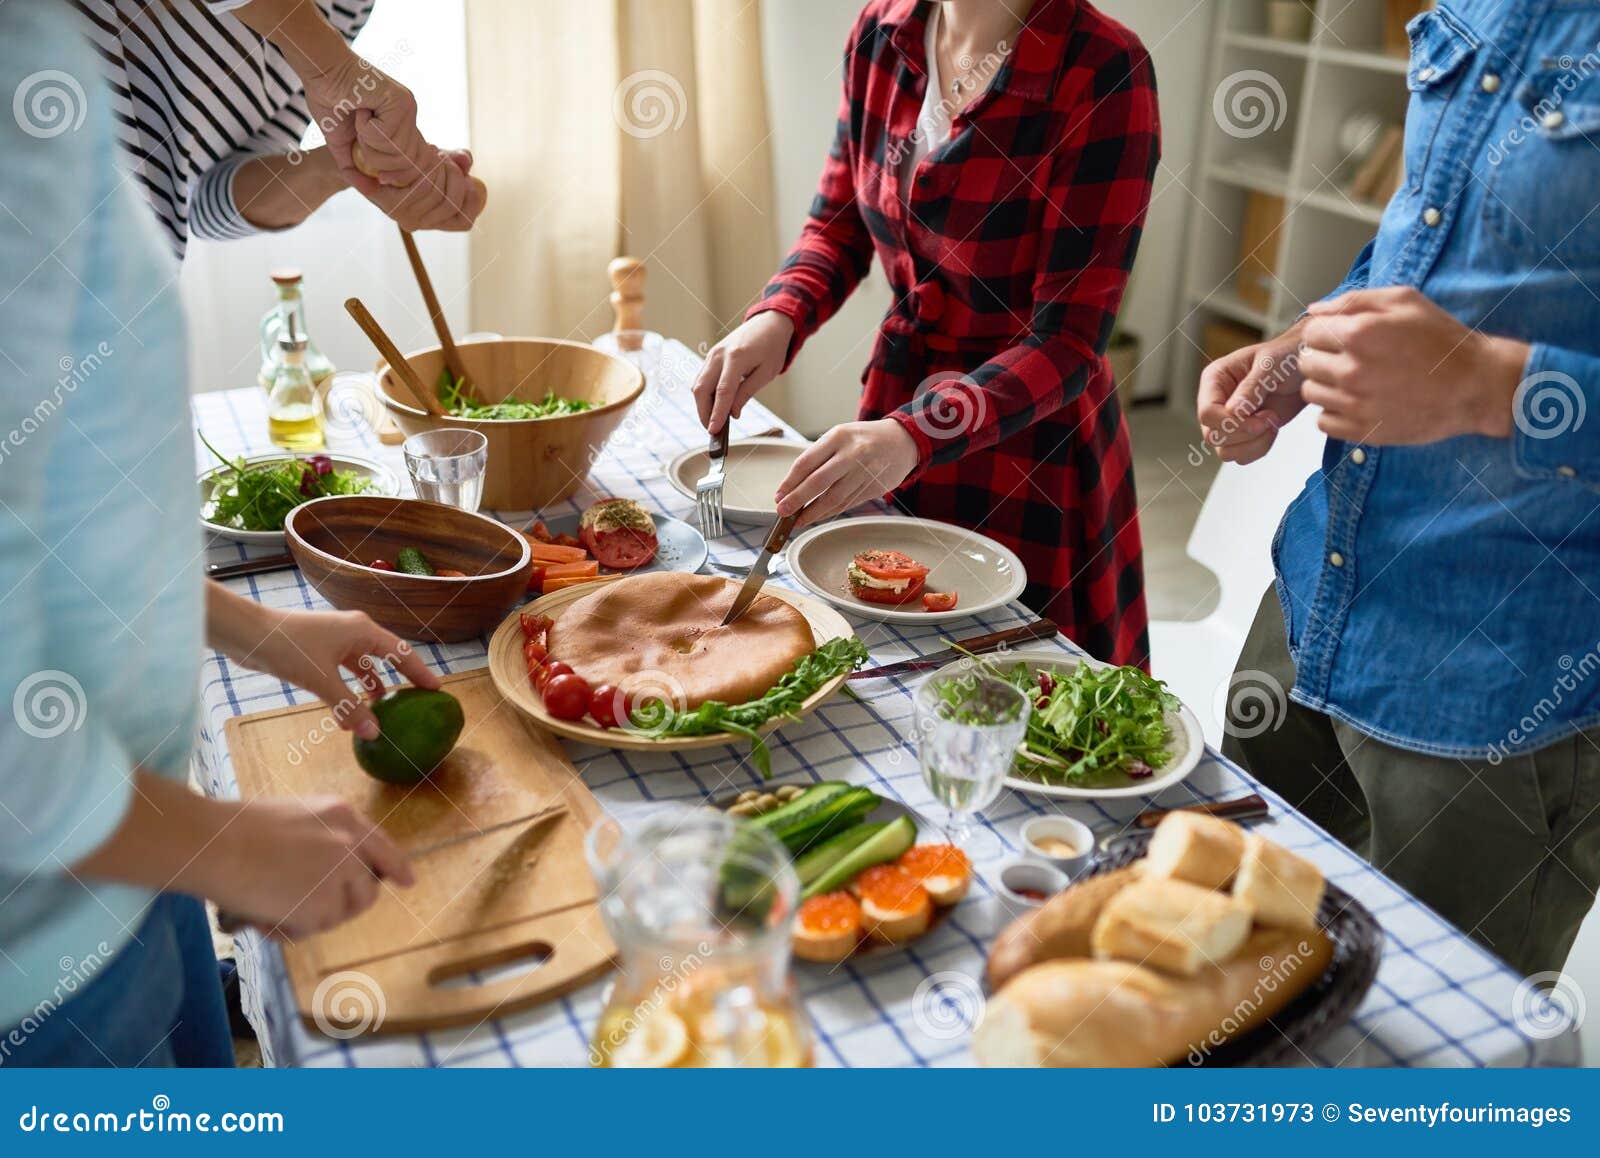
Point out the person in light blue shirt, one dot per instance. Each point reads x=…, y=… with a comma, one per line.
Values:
x=1436, y=616
x=105, y=953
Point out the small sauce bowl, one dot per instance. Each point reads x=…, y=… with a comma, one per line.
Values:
x=1025, y=883
x=1060, y=841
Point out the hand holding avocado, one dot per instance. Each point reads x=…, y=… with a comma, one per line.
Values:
x=309, y=649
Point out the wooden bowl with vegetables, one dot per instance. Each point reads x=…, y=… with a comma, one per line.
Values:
x=546, y=407
x=425, y=571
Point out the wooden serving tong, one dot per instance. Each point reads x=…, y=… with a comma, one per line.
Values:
x=441, y=327
x=425, y=398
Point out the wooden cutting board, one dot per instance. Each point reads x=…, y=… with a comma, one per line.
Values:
x=517, y=895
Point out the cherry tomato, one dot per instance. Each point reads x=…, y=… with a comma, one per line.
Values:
x=939, y=601
x=534, y=651
x=608, y=706
x=549, y=672
x=381, y=565
x=567, y=696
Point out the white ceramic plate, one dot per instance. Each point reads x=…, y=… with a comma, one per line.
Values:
x=383, y=479
x=1187, y=746
x=754, y=468
x=982, y=573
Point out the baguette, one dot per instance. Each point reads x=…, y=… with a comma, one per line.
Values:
x=1171, y=925
x=1191, y=846
x=1058, y=928
x=1114, y=1013
x=1282, y=889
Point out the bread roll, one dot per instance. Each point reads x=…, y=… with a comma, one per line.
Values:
x=1171, y=925
x=1283, y=890
x=1058, y=928
x=1194, y=847
x=1114, y=1013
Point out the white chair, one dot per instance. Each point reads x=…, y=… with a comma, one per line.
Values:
x=1233, y=539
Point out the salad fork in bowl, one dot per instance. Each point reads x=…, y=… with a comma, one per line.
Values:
x=708, y=491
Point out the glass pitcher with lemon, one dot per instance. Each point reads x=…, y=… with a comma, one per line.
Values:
x=700, y=908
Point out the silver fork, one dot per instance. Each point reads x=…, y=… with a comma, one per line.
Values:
x=708, y=491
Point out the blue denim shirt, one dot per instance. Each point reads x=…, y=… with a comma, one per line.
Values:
x=1446, y=598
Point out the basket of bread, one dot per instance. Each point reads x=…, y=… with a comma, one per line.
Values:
x=1209, y=946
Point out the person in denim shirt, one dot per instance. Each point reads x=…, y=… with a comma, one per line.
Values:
x=1436, y=616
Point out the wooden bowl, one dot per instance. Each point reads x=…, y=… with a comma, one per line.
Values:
x=532, y=461
x=333, y=539
x=510, y=673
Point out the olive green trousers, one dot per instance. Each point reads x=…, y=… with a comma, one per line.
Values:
x=1509, y=852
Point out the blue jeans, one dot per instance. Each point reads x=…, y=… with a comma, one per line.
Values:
x=157, y=1004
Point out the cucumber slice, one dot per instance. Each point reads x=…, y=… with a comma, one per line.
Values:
x=883, y=846
x=819, y=860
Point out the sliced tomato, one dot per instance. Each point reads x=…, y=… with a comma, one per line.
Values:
x=534, y=652
x=890, y=565
x=938, y=601
x=540, y=532
x=536, y=579
x=912, y=592
x=621, y=549
x=567, y=541
x=534, y=626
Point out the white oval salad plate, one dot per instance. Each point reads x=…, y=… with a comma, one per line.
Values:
x=1186, y=743
x=983, y=574
x=382, y=478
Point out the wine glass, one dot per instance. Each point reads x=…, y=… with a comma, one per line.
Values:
x=968, y=727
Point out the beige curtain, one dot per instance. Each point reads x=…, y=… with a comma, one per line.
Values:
x=618, y=126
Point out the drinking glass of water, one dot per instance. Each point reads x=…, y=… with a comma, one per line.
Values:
x=968, y=727
x=447, y=466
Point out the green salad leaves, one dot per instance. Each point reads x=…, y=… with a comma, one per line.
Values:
x=259, y=496
x=809, y=672
x=1093, y=725
x=459, y=405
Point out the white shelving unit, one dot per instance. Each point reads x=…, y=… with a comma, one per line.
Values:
x=1285, y=143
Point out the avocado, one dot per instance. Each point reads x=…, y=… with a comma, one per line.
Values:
x=418, y=730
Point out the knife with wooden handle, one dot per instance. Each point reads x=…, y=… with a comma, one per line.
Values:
x=1142, y=827
x=776, y=538
x=537, y=822
x=977, y=645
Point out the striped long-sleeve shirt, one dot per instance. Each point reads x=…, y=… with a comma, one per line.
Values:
x=196, y=94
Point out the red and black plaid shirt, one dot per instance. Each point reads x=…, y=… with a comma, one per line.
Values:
x=1007, y=266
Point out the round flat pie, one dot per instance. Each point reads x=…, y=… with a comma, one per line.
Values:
x=663, y=631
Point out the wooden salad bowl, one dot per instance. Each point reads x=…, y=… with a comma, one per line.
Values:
x=510, y=674
x=334, y=539
x=532, y=461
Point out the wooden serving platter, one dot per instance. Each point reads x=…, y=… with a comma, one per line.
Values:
x=517, y=894
x=510, y=674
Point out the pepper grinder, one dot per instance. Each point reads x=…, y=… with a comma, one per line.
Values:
x=627, y=301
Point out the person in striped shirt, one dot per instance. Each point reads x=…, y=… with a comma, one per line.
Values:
x=211, y=99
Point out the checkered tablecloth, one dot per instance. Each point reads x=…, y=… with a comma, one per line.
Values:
x=1438, y=1000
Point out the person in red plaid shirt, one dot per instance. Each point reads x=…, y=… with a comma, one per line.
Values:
x=998, y=159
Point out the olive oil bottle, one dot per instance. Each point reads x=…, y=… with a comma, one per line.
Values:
x=294, y=412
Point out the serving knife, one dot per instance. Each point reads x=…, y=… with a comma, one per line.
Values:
x=977, y=645
x=776, y=538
